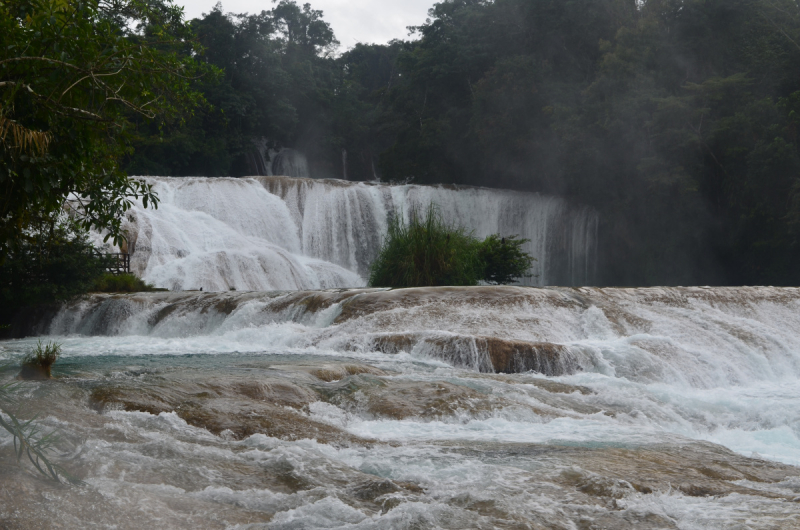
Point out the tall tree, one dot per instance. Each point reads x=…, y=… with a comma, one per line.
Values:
x=276, y=88
x=71, y=75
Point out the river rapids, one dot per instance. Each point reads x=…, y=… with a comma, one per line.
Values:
x=486, y=407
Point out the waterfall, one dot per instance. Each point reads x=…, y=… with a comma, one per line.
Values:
x=690, y=337
x=344, y=222
x=222, y=234
x=269, y=233
x=290, y=162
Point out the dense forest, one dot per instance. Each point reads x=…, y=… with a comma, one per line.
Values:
x=675, y=119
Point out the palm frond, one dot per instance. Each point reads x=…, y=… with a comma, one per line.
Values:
x=16, y=136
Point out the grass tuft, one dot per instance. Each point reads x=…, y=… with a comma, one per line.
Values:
x=38, y=363
x=426, y=252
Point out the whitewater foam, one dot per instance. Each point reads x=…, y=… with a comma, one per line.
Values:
x=271, y=233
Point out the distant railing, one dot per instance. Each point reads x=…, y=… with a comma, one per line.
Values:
x=118, y=263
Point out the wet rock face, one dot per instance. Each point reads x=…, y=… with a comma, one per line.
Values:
x=398, y=400
x=334, y=372
x=234, y=406
x=489, y=354
x=694, y=469
x=509, y=357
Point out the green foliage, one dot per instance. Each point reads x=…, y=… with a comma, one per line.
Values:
x=429, y=252
x=54, y=262
x=43, y=356
x=503, y=259
x=75, y=73
x=677, y=121
x=276, y=87
x=121, y=283
x=425, y=252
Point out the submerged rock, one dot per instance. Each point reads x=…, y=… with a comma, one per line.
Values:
x=486, y=353
x=33, y=372
x=237, y=406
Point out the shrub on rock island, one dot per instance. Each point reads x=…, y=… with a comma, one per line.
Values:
x=503, y=259
x=425, y=252
x=429, y=252
x=121, y=283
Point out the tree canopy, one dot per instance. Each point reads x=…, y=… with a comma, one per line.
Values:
x=73, y=75
x=277, y=86
x=675, y=119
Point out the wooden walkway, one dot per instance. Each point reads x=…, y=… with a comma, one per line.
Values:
x=119, y=263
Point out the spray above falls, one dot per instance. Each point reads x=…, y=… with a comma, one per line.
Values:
x=283, y=233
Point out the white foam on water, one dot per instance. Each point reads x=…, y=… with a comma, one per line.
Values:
x=656, y=367
x=221, y=234
x=731, y=512
x=723, y=369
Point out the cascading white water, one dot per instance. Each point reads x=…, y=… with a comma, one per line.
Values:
x=288, y=233
x=290, y=162
x=372, y=409
x=344, y=222
x=221, y=234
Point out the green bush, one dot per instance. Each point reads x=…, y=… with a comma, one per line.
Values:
x=426, y=252
x=429, y=252
x=54, y=261
x=503, y=259
x=121, y=283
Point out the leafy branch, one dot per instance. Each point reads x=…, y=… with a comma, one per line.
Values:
x=29, y=441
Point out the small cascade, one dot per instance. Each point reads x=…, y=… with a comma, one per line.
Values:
x=686, y=337
x=290, y=162
x=268, y=233
x=259, y=159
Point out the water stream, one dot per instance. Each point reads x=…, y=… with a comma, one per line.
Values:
x=367, y=408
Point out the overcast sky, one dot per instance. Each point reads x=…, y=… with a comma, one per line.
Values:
x=371, y=21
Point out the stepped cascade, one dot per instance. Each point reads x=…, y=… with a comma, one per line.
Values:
x=658, y=408
x=267, y=233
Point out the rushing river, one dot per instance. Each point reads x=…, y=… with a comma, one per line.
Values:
x=649, y=408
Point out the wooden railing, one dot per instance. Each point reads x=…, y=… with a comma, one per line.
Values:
x=119, y=263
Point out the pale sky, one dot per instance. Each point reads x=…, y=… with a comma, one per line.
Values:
x=370, y=21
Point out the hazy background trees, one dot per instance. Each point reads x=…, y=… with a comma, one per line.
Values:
x=675, y=119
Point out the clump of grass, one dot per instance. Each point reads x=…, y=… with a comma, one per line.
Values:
x=426, y=252
x=429, y=252
x=38, y=363
x=121, y=283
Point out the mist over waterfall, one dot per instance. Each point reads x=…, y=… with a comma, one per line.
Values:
x=282, y=233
